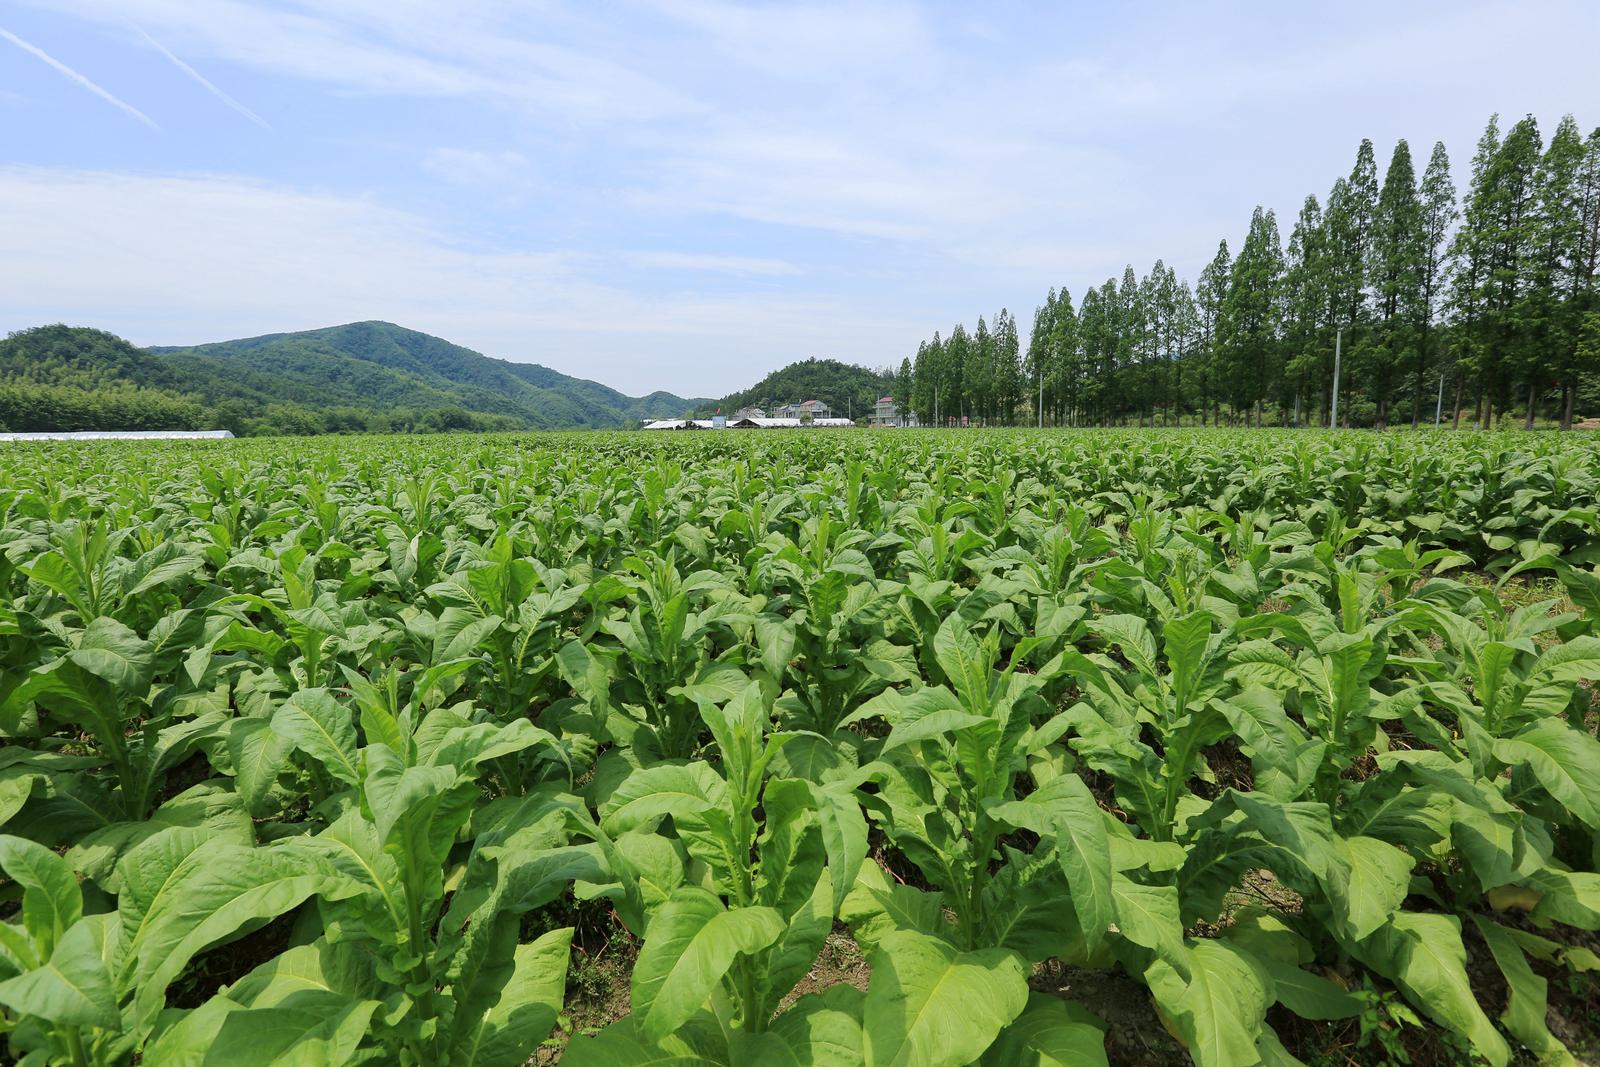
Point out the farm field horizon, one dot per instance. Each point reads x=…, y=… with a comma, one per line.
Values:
x=915, y=747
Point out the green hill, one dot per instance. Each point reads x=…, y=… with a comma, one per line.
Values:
x=844, y=387
x=360, y=376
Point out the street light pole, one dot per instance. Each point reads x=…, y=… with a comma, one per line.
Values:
x=1333, y=421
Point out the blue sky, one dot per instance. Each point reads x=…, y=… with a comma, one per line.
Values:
x=686, y=195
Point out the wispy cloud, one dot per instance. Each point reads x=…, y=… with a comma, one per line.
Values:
x=499, y=171
x=68, y=72
x=206, y=82
x=711, y=262
x=179, y=260
x=483, y=51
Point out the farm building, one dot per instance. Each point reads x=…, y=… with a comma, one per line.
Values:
x=885, y=413
x=815, y=408
x=121, y=435
x=746, y=423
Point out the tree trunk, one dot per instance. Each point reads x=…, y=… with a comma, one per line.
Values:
x=1528, y=422
x=1422, y=369
x=1455, y=417
x=1567, y=394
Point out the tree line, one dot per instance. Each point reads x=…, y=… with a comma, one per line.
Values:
x=1432, y=307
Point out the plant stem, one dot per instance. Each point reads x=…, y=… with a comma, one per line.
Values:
x=80, y=1057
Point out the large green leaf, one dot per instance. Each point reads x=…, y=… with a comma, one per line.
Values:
x=1064, y=810
x=308, y=1029
x=112, y=651
x=511, y=1029
x=1049, y=1033
x=1220, y=1008
x=1564, y=760
x=218, y=894
x=1422, y=952
x=51, y=899
x=625, y=1044
x=654, y=792
x=1528, y=998
x=1379, y=879
x=819, y=1030
x=691, y=944
x=1148, y=915
x=72, y=988
x=318, y=725
x=259, y=754
x=932, y=1005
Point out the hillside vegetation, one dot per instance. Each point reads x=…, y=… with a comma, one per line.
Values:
x=372, y=376
x=844, y=387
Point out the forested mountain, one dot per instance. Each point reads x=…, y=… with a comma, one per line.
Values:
x=361, y=376
x=1475, y=309
x=844, y=387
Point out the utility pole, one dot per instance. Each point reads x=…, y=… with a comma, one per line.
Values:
x=1333, y=421
x=1438, y=407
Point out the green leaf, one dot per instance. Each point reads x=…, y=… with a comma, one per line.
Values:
x=1380, y=878
x=259, y=754
x=1065, y=810
x=1148, y=915
x=51, y=899
x=795, y=951
x=1423, y=954
x=1565, y=761
x=690, y=945
x=1186, y=639
x=1049, y=1033
x=316, y=724
x=1529, y=996
x=651, y=793
x=73, y=988
x=844, y=835
x=931, y=1005
x=112, y=651
x=1131, y=636
x=213, y=895
x=510, y=1031
x=920, y=715
x=625, y=1044
x=1219, y=1010
x=819, y=1030
x=875, y=907
x=310, y=1029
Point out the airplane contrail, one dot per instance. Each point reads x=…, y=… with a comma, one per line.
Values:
x=203, y=80
x=79, y=78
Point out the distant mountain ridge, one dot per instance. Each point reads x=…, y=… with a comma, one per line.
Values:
x=358, y=376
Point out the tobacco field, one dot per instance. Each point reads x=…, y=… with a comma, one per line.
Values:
x=350, y=751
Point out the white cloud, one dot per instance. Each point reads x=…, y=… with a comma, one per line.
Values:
x=697, y=261
x=205, y=82
x=499, y=171
x=170, y=260
x=486, y=51
x=830, y=178
x=72, y=75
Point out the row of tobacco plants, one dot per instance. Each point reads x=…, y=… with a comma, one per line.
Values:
x=303, y=741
